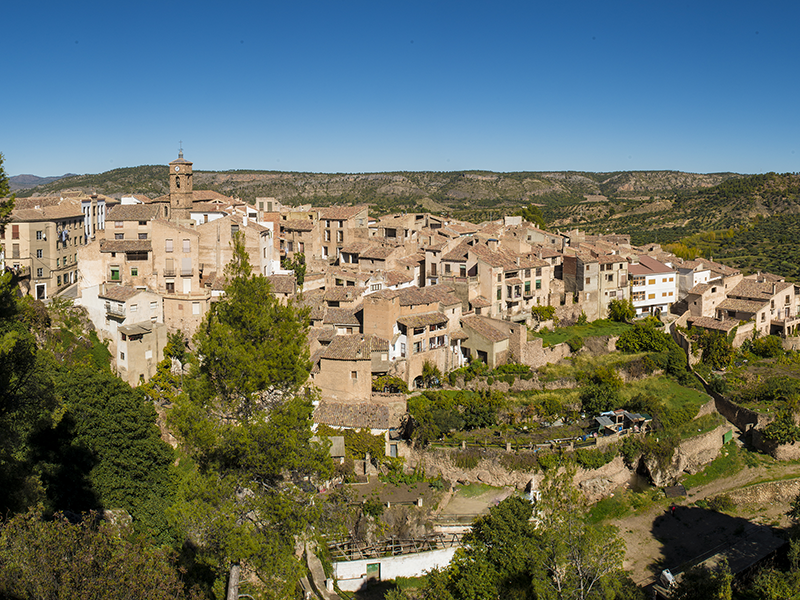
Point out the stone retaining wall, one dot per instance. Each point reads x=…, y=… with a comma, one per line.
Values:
x=767, y=493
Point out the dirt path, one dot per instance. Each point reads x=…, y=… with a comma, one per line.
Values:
x=658, y=539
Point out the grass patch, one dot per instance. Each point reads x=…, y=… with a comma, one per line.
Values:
x=701, y=425
x=601, y=327
x=473, y=490
x=606, y=509
x=673, y=394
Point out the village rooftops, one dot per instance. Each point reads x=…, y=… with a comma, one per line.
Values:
x=339, y=293
x=423, y=320
x=342, y=316
x=126, y=246
x=282, y=284
x=483, y=327
x=354, y=347
x=754, y=290
x=413, y=296
x=648, y=266
x=742, y=306
x=723, y=325
x=340, y=213
x=134, y=212
x=297, y=225
x=119, y=293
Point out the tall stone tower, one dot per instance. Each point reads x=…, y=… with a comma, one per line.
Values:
x=180, y=189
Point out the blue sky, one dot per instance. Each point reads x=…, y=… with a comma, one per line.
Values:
x=389, y=86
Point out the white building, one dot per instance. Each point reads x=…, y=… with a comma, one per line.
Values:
x=653, y=285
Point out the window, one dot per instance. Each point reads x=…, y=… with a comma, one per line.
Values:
x=588, y=280
x=153, y=305
x=327, y=236
x=375, y=287
x=651, y=296
x=195, y=308
x=119, y=224
x=39, y=235
x=187, y=246
x=353, y=374
x=340, y=236
x=167, y=245
x=527, y=287
x=122, y=356
x=114, y=273
x=119, y=236
x=538, y=284
x=499, y=293
x=499, y=278
x=671, y=279
x=341, y=223
x=40, y=272
x=610, y=277
x=134, y=271
x=142, y=236
x=419, y=330
x=58, y=280
x=134, y=307
x=170, y=285
x=651, y=282
x=15, y=232
x=39, y=253
x=290, y=246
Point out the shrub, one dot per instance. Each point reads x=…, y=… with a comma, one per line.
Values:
x=643, y=337
x=387, y=383
x=466, y=459
x=373, y=507
x=582, y=319
x=595, y=458
x=522, y=461
x=575, y=343
x=783, y=430
x=544, y=313
x=767, y=347
x=721, y=503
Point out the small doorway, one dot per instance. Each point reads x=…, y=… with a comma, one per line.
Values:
x=41, y=291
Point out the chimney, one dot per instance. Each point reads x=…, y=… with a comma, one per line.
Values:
x=774, y=288
x=493, y=244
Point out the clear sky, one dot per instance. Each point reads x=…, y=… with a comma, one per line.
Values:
x=350, y=86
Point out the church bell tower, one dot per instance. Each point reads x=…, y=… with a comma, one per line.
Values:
x=180, y=188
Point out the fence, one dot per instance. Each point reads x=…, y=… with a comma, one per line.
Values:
x=352, y=549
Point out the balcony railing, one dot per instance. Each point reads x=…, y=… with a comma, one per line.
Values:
x=186, y=272
x=113, y=309
x=169, y=272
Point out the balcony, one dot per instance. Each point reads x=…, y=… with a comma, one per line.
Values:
x=169, y=272
x=115, y=310
x=187, y=272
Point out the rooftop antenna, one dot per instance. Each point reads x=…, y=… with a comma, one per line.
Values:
x=180, y=151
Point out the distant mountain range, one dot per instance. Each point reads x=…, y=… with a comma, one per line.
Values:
x=25, y=182
x=662, y=206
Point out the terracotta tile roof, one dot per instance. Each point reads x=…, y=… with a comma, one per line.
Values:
x=358, y=416
x=341, y=293
x=508, y=261
x=355, y=247
x=725, y=325
x=754, y=290
x=483, y=327
x=133, y=212
x=649, y=266
x=53, y=210
x=423, y=320
x=458, y=335
x=413, y=296
x=119, y=293
x=514, y=281
x=458, y=254
x=354, y=347
x=394, y=278
x=745, y=306
x=313, y=300
x=339, y=213
x=377, y=252
x=341, y=316
x=297, y=225
x=480, y=302
x=283, y=284
x=126, y=246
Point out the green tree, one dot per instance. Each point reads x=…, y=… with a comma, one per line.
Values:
x=717, y=349
x=297, y=264
x=253, y=349
x=621, y=310
x=431, y=375
x=6, y=201
x=533, y=214
x=247, y=434
x=88, y=560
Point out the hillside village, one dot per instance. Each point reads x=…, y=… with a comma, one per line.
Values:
x=385, y=295
x=404, y=298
